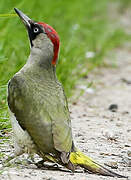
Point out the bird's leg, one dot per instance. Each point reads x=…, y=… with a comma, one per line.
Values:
x=41, y=164
x=47, y=158
x=70, y=166
x=30, y=159
x=57, y=161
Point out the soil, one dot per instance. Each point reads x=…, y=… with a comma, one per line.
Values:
x=101, y=122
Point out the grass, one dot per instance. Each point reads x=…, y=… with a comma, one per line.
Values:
x=123, y=4
x=83, y=26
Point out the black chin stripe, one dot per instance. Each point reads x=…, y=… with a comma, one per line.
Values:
x=30, y=38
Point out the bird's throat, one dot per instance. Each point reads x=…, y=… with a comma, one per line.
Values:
x=39, y=70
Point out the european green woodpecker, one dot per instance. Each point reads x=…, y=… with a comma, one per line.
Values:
x=38, y=106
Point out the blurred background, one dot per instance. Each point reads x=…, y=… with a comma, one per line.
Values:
x=88, y=30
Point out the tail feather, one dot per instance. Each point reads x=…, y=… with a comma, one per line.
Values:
x=78, y=158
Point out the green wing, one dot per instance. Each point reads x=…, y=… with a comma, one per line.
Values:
x=61, y=125
x=57, y=108
x=15, y=100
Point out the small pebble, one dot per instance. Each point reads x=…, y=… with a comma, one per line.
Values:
x=123, y=151
x=113, y=107
x=125, y=112
x=33, y=173
x=74, y=103
x=113, y=165
x=127, y=145
x=51, y=178
x=127, y=161
x=128, y=130
x=129, y=153
x=78, y=134
x=26, y=175
x=109, y=135
x=119, y=124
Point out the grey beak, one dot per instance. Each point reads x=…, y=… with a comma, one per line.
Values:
x=26, y=20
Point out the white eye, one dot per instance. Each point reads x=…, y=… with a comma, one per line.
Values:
x=36, y=30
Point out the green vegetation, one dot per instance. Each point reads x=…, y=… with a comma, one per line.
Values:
x=83, y=26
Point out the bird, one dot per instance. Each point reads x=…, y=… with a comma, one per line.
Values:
x=38, y=106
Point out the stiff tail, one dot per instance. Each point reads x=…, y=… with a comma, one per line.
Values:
x=78, y=158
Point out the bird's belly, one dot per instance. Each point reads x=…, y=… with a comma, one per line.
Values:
x=22, y=140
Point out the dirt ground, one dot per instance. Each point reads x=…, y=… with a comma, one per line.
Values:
x=100, y=133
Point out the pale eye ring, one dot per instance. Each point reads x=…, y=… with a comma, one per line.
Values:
x=36, y=30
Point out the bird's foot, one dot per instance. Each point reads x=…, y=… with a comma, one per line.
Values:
x=41, y=164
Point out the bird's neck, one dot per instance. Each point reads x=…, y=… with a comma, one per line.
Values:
x=40, y=67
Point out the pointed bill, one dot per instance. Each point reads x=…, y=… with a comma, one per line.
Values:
x=26, y=20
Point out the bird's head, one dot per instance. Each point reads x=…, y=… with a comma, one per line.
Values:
x=43, y=38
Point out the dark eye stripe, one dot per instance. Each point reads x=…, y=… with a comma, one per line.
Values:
x=32, y=34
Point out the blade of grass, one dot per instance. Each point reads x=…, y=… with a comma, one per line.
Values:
x=7, y=15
